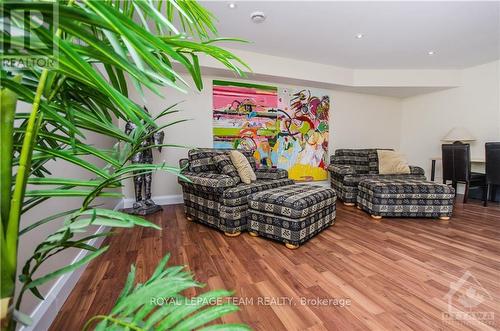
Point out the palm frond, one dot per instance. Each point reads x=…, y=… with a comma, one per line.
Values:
x=101, y=46
x=159, y=305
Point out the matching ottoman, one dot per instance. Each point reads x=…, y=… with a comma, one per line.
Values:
x=291, y=214
x=405, y=198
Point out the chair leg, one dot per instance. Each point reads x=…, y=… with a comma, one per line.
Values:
x=454, y=185
x=466, y=192
x=493, y=192
x=486, y=190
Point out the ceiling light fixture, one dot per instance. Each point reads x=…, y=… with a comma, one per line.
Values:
x=359, y=36
x=231, y=5
x=258, y=17
x=430, y=53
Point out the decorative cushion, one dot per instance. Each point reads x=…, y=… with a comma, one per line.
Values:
x=225, y=166
x=247, y=174
x=392, y=163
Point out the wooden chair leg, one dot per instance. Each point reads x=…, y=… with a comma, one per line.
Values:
x=466, y=192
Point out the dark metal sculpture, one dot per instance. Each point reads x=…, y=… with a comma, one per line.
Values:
x=143, y=204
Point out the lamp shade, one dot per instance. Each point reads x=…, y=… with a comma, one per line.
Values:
x=459, y=134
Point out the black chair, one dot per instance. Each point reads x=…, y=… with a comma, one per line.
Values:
x=492, y=170
x=457, y=168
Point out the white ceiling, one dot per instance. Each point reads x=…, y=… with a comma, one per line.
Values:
x=397, y=35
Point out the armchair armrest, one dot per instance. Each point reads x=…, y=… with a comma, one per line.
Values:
x=206, y=182
x=184, y=165
x=341, y=170
x=271, y=173
x=414, y=170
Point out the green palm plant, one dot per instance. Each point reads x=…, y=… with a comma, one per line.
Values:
x=152, y=305
x=100, y=46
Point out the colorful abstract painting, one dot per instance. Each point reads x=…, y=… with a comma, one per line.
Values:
x=302, y=145
x=245, y=117
x=286, y=128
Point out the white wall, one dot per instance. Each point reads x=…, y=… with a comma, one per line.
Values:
x=475, y=105
x=356, y=120
x=415, y=125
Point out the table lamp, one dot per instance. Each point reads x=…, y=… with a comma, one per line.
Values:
x=458, y=135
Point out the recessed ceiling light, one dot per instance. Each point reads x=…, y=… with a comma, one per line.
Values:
x=231, y=5
x=258, y=17
x=430, y=53
x=359, y=36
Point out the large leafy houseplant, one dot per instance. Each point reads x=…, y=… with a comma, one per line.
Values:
x=100, y=46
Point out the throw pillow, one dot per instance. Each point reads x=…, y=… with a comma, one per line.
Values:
x=392, y=163
x=225, y=166
x=247, y=175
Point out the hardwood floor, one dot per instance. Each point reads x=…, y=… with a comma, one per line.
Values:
x=394, y=273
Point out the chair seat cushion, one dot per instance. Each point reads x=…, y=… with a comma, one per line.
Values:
x=271, y=173
x=294, y=201
x=354, y=180
x=477, y=176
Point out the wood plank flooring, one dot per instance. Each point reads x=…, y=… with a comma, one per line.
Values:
x=357, y=275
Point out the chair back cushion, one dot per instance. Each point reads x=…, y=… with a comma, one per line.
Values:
x=493, y=163
x=200, y=159
x=456, y=162
x=364, y=161
x=226, y=167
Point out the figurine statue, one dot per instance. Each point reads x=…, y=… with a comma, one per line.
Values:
x=144, y=205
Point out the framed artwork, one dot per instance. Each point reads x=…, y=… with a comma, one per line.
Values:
x=286, y=128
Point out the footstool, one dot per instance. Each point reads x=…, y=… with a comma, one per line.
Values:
x=405, y=198
x=291, y=214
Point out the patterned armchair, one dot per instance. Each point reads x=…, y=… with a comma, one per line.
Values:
x=349, y=166
x=219, y=199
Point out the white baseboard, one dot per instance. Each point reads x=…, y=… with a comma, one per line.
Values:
x=47, y=310
x=171, y=199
